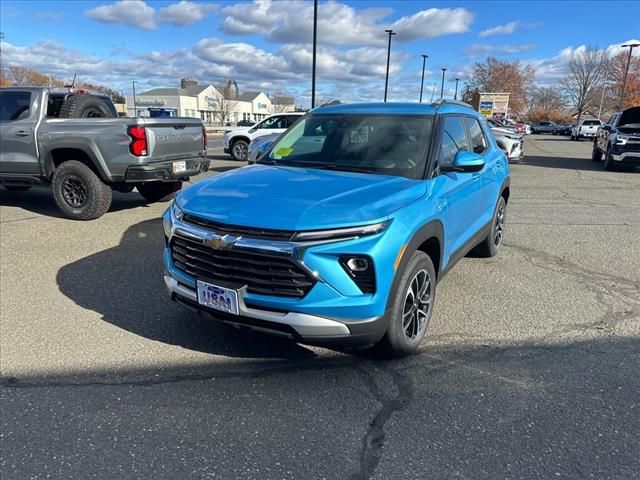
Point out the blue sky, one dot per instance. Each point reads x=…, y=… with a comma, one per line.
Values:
x=266, y=45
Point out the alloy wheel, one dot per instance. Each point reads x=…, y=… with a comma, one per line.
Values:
x=417, y=306
x=74, y=191
x=498, y=229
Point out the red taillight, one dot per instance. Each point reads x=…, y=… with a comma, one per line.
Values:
x=138, y=145
x=204, y=137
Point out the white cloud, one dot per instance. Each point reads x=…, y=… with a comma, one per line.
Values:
x=185, y=12
x=500, y=29
x=338, y=23
x=135, y=13
x=481, y=49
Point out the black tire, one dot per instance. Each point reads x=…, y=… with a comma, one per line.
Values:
x=84, y=106
x=79, y=192
x=240, y=150
x=490, y=246
x=608, y=162
x=404, y=321
x=158, y=191
x=596, y=153
x=16, y=188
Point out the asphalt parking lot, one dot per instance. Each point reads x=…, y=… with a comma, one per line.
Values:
x=530, y=369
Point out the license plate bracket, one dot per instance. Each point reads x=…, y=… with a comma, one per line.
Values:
x=217, y=297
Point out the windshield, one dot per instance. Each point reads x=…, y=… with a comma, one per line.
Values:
x=382, y=144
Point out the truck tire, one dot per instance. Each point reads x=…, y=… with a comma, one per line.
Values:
x=596, y=153
x=79, y=192
x=411, y=307
x=608, y=161
x=158, y=191
x=84, y=106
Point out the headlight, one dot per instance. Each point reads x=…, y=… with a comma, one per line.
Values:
x=622, y=139
x=339, y=233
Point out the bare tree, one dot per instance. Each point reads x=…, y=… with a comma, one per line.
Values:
x=282, y=103
x=586, y=73
x=225, y=105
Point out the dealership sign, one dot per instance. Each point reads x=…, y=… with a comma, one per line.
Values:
x=494, y=105
x=149, y=103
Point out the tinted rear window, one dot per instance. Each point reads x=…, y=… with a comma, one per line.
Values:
x=14, y=106
x=591, y=122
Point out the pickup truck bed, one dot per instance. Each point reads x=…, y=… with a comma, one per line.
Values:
x=153, y=155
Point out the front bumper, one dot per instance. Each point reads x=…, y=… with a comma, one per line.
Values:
x=627, y=158
x=163, y=171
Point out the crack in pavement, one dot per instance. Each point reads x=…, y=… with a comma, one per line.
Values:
x=373, y=440
x=605, y=287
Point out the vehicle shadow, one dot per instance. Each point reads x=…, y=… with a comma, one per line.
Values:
x=39, y=200
x=569, y=163
x=125, y=286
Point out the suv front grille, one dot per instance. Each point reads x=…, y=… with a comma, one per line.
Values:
x=238, y=231
x=262, y=273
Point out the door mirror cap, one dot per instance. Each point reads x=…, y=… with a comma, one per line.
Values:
x=465, y=162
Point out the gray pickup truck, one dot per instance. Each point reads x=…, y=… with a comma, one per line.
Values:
x=84, y=159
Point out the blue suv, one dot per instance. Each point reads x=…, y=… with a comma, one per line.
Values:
x=342, y=230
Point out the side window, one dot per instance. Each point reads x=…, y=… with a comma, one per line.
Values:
x=454, y=139
x=274, y=122
x=478, y=141
x=14, y=106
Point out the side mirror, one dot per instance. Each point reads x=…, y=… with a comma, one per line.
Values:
x=465, y=162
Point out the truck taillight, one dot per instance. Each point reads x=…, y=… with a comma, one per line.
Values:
x=138, y=145
x=204, y=138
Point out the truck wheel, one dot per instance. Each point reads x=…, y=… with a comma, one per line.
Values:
x=240, y=150
x=158, y=191
x=79, y=192
x=490, y=246
x=596, y=154
x=16, y=188
x=411, y=308
x=84, y=106
x=608, y=161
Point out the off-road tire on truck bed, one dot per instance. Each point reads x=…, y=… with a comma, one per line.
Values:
x=84, y=106
x=158, y=191
x=79, y=192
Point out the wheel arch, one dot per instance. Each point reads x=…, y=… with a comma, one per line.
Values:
x=56, y=156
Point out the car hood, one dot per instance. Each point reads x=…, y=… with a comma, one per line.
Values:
x=290, y=198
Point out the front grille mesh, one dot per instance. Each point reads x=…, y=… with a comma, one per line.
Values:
x=262, y=273
x=238, y=231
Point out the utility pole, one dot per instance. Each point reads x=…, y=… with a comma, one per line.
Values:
x=626, y=71
x=313, y=62
x=135, y=106
x=455, y=97
x=386, y=79
x=604, y=87
x=424, y=62
x=442, y=85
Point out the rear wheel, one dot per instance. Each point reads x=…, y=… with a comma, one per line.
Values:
x=158, y=191
x=240, y=150
x=411, y=308
x=490, y=246
x=79, y=192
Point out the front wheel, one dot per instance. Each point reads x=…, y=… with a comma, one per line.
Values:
x=490, y=246
x=79, y=192
x=596, y=153
x=240, y=150
x=411, y=308
x=158, y=191
x=608, y=161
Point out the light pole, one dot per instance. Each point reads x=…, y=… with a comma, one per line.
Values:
x=135, y=106
x=315, y=43
x=424, y=62
x=455, y=97
x=442, y=84
x=604, y=87
x=386, y=80
x=626, y=71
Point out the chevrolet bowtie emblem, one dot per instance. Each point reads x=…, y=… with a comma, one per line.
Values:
x=222, y=243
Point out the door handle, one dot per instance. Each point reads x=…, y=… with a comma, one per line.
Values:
x=22, y=133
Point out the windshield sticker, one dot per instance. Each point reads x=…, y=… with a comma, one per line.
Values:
x=284, y=151
x=360, y=135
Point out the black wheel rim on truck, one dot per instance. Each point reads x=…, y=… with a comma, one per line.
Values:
x=74, y=191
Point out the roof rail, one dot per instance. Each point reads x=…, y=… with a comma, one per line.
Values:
x=443, y=101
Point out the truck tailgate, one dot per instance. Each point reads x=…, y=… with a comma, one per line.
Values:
x=174, y=138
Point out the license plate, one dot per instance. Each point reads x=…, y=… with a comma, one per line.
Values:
x=179, y=166
x=218, y=298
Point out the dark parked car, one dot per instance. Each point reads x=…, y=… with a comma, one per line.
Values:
x=563, y=129
x=543, y=127
x=618, y=141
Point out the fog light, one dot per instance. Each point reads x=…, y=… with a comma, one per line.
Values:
x=358, y=264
